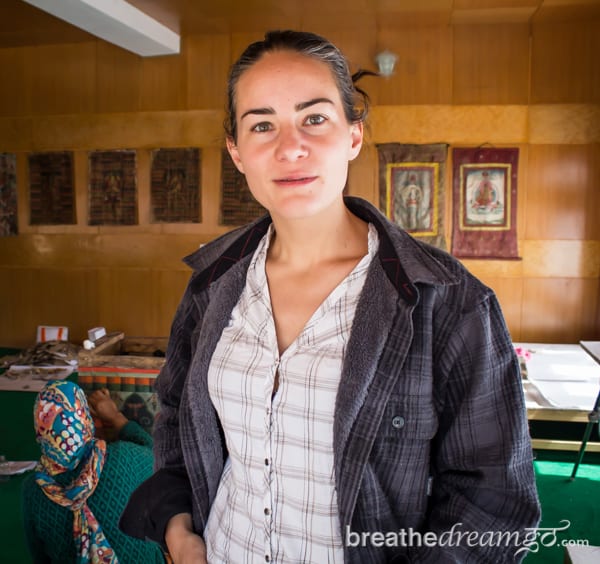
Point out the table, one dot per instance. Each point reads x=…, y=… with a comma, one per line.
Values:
x=593, y=349
x=562, y=382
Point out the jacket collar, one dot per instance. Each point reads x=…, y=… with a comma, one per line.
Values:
x=405, y=260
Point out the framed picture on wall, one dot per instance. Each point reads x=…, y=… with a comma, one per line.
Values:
x=411, y=196
x=175, y=185
x=485, y=202
x=113, y=191
x=51, y=188
x=411, y=188
x=8, y=195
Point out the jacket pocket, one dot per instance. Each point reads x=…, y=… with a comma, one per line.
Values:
x=408, y=418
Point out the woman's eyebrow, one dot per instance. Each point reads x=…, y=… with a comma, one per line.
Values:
x=304, y=105
x=298, y=107
x=258, y=112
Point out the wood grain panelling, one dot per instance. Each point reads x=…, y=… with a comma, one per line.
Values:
x=118, y=79
x=559, y=310
x=565, y=66
x=101, y=250
x=15, y=95
x=450, y=124
x=562, y=194
x=63, y=78
x=561, y=259
x=555, y=124
x=423, y=73
x=164, y=82
x=360, y=54
x=491, y=64
x=207, y=60
x=113, y=131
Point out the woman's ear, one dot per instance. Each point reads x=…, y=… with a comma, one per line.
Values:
x=234, y=153
x=356, y=139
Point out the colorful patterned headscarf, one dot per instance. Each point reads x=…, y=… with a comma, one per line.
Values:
x=65, y=432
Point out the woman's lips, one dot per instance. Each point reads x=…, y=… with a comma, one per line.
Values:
x=295, y=180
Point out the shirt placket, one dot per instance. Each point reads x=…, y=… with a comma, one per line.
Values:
x=268, y=458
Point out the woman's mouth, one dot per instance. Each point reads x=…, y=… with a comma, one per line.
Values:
x=295, y=180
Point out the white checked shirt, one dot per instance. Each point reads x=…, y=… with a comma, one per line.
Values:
x=276, y=500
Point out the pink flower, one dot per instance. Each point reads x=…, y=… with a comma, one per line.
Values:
x=523, y=354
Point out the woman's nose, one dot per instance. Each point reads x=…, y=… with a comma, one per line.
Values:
x=290, y=145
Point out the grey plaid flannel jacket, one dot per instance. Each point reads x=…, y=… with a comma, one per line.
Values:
x=430, y=428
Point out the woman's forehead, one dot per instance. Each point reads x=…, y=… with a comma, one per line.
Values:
x=286, y=74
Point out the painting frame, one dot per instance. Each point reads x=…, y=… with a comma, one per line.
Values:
x=9, y=225
x=402, y=187
x=484, y=187
x=427, y=162
x=175, y=185
x=113, y=187
x=51, y=188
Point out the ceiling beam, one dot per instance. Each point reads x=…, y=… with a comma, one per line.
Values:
x=117, y=22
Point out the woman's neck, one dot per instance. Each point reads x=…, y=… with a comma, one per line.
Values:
x=303, y=243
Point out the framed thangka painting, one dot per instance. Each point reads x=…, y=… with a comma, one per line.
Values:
x=238, y=205
x=113, y=191
x=411, y=188
x=51, y=193
x=8, y=194
x=485, y=203
x=175, y=185
x=411, y=196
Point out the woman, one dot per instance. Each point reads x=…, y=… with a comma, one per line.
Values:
x=328, y=377
x=72, y=503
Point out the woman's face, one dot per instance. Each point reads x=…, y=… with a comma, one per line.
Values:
x=294, y=142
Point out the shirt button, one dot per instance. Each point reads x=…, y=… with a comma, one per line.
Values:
x=398, y=422
x=267, y=559
x=267, y=511
x=266, y=461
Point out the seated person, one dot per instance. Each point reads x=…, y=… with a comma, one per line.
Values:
x=72, y=502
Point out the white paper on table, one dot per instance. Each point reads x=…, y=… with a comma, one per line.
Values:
x=13, y=467
x=562, y=376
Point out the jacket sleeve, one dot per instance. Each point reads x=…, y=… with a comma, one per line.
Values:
x=168, y=491
x=483, y=484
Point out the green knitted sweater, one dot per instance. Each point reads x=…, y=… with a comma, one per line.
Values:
x=49, y=527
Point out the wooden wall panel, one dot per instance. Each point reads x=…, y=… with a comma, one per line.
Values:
x=491, y=64
x=207, y=60
x=118, y=79
x=18, y=290
x=555, y=124
x=559, y=310
x=63, y=78
x=565, y=67
x=15, y=95
x=562, y=195
x=423, y=72
x=127, y=298
x=163, y=82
